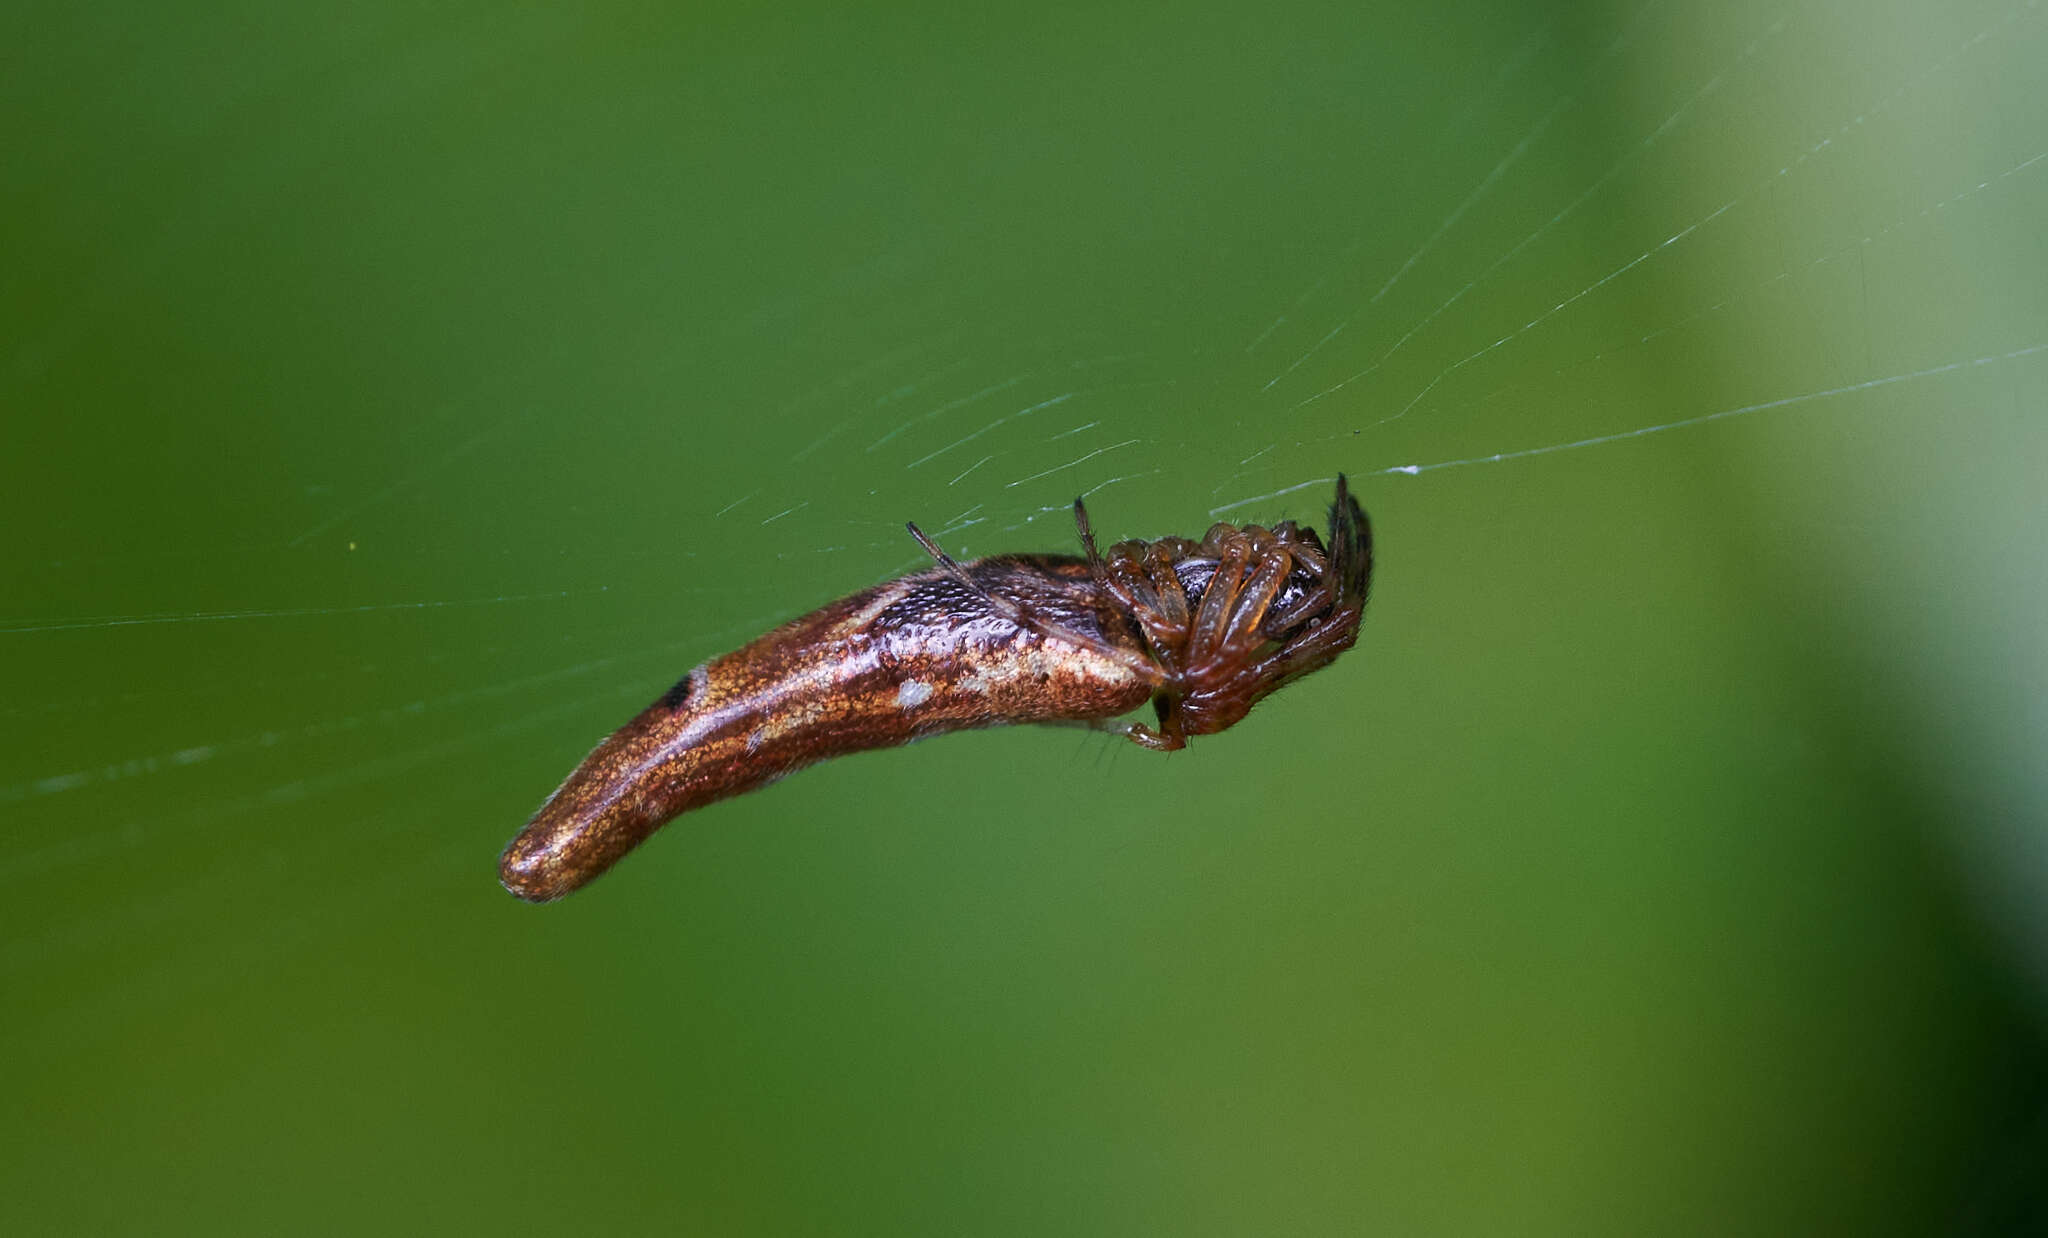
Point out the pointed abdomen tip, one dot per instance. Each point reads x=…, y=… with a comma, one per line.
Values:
x=532, y=873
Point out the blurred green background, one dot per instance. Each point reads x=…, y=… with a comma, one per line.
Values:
x=398, y=397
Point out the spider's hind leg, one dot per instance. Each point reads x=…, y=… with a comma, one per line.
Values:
x=1170, y=736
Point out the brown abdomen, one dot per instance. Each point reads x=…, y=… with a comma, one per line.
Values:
x=875, y=670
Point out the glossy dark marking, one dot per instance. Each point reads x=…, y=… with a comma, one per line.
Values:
x=1202, y=630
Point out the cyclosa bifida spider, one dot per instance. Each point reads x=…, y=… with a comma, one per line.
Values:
x=1203, y=630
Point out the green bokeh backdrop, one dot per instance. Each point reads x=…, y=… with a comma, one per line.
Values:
x=398, y=397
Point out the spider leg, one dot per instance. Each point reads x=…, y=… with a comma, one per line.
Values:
x=1087, y=537
x=1170, y=737
x=1165, y=616
x=1144, y=736
x=1310, y=651
x=1233, y=613
x=1172, y=734
x=1205, y=635
x=1310, y=603
x=1309, y=555
x=1243, y=626
x=1314, y=601
x=1125, y=586
x=1141, y=599
x=1023, y=617
x=1172, y=599
x=1350, y=545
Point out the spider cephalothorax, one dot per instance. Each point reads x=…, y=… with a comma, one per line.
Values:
x=1239, y=614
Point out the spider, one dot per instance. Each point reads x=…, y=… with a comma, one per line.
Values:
x=1203, y=630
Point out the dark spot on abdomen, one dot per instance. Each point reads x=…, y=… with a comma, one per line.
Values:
x=678, y=696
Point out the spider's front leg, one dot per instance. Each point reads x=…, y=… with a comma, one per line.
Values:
x=1222, y=704
x=1230, y=623
x=1220, y=684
